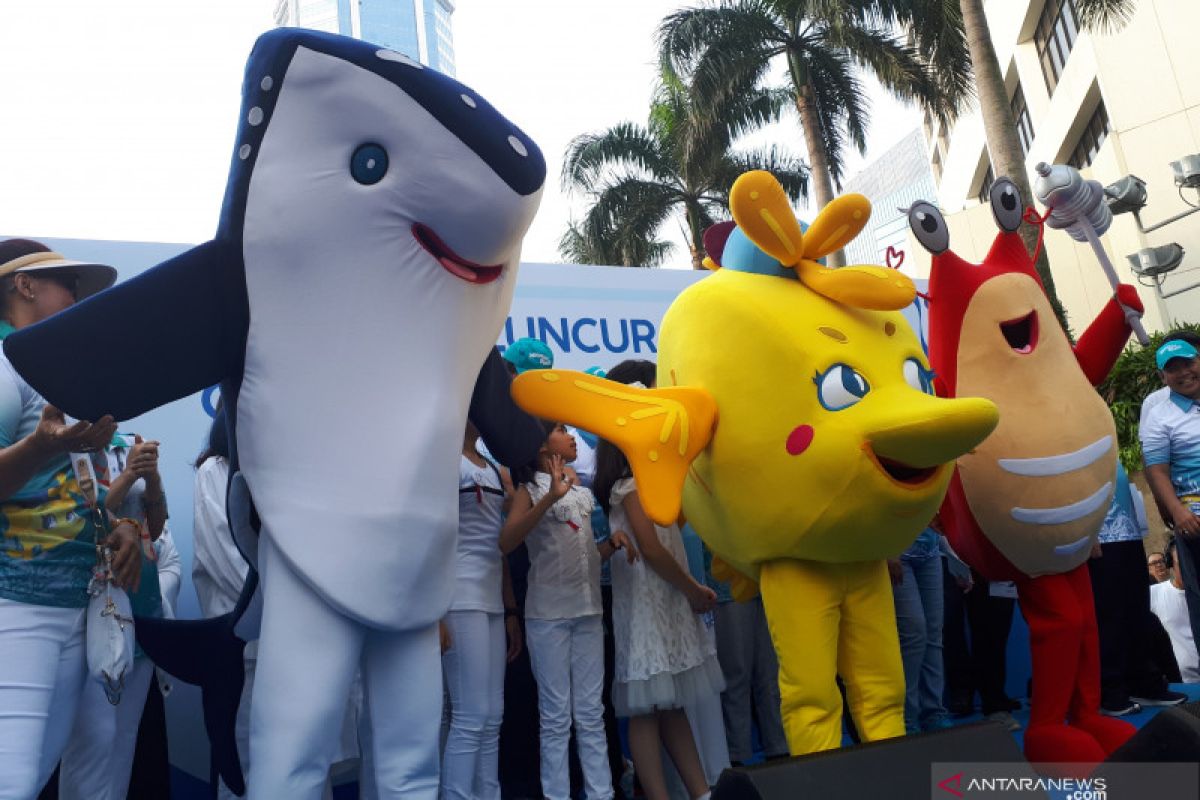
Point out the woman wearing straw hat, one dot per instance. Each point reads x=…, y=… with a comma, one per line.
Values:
x=47, y=539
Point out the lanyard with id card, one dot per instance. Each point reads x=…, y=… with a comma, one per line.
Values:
x=109, y=619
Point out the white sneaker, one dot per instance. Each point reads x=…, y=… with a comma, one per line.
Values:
x=1006, y=719
x=627, y=778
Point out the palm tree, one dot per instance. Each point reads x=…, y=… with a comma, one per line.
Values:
x=628, y=244
x=726, y=47
x=681, y=162
x=1000, y=129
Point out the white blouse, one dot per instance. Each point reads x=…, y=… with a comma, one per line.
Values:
x=218, y=568
x=564, y=574
x=480, y=515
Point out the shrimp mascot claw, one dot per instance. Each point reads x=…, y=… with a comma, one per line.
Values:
x=796, y=425
x=1027, y=504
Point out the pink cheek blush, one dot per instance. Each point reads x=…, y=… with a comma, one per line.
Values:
x=799, y=439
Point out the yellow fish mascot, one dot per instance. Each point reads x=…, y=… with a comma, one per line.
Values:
x=795, y=423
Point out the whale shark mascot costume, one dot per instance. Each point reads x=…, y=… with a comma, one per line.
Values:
x=363, y=265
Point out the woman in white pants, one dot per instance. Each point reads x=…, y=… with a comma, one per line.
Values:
x=98, y=758
x=482, y=615
x=47, y=548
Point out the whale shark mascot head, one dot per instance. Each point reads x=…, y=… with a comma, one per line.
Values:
x=362, y=268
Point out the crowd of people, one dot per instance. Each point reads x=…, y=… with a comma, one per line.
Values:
x=572, y=611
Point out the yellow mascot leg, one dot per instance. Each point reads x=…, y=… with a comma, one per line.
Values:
x=803, y=604
x=869, y=655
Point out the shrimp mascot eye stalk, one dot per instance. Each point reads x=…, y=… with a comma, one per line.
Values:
x=1027, y=504
x=794, y=420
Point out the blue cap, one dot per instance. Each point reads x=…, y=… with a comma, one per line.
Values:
x=1176, y=348
x=598, y=372
x=526, y=354
x=742, y=255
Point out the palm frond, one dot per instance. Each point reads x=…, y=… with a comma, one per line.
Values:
x=788, y=169
x=842, y=106
x=630, y=198
x=577, y=247
x=935, y=30
x=897, y=66
x=720, y=49
x=1105, y=16
x=591, y=155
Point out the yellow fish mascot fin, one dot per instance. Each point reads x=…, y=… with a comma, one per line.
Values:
x=660, y=431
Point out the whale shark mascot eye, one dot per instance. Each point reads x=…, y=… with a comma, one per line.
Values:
x=363, y=265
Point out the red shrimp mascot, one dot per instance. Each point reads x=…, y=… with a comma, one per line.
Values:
x=1027, y=504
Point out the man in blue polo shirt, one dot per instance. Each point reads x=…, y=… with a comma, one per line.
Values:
x=1170, y=435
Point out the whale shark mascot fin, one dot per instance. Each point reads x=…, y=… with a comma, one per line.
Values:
x=363, y=266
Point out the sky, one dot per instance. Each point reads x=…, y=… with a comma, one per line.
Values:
x=119, y=116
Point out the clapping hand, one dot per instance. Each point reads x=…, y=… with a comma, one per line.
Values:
x=143, y=458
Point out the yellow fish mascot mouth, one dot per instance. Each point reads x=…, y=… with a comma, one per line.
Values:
x=795, y=424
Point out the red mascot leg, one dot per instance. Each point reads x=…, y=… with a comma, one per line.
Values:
x=1052, y=609
x=1085, y=702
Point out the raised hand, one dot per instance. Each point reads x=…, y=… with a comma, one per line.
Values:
x=560, y=481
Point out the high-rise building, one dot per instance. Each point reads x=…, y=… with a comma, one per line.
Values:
x=1110, y=104
x=418, y=28
x=896, y=180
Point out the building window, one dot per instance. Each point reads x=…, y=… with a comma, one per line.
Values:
x=1090, y=140
x=985, y=185
x=1056, y=32
x=1024, y=121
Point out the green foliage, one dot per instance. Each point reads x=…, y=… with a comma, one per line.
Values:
x=1134, y=376
x=726, y=47
x=679, y=165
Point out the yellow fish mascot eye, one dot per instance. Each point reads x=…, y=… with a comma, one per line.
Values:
x=795, y=424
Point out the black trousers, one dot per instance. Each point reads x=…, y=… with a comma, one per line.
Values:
x=975, y=641
x=1123, y=615
x=1187, y=551
x=616, y=759
x=151, y=776
x=519, y=742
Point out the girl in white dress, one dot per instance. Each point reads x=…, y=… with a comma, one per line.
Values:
x=665, y=658
x=563, y=612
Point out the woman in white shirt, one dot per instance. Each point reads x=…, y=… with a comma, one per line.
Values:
x=98, y=758
x=482, y=615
